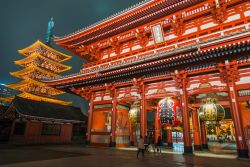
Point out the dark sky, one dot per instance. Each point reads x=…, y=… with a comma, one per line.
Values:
x=22, y=22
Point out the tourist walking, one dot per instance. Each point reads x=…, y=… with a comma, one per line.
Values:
x=159, y=145
x=140, y=147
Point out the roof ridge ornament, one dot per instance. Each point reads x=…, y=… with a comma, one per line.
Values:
x=49, y=32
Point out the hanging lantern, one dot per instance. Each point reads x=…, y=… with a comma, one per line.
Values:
x=168, y=112
x=134, y=112
x=210, y=111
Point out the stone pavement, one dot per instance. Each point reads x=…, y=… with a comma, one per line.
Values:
x=80, y=156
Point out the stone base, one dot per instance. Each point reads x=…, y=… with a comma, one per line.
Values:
x=188, y=150
x=170, y=145
x=242, y=153
x=204, y=146
x=132, y=143
x=197, y=147
x=112, y=144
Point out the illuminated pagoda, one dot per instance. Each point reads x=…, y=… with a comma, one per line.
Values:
x=189, y=50
x=41, y=61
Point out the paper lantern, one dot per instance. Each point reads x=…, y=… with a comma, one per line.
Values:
x=168, y=112
x=134, y=112
x=211, y=111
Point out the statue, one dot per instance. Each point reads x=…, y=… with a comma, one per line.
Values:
x=49, y=31
x=108, y=122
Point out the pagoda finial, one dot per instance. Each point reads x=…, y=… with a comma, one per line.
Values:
x=49, y=32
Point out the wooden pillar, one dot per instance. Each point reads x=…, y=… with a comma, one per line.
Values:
x=113, y=121
x=196, y=131
x=169, y=137
x=144, y=106
x=185, y=120
x=236, y=116
x=143, y=117
x=90, y=119
x=203, y=135
x=157, y=127
x=181, y=83
x=230, y=74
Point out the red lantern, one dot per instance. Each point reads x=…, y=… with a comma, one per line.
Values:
x=168, y=112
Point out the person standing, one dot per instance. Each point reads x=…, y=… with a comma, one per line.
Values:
x=159, y=144
x=140, y=147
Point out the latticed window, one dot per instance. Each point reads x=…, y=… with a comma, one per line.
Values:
x=51, y=129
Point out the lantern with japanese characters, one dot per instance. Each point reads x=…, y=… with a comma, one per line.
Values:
x=210, y=111
x=134, y=112
x=168, y=112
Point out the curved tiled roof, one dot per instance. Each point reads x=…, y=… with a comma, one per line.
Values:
x=124, y=22
x=106, y=19
x=44, y=110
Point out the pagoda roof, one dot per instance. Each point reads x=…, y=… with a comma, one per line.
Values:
x=26, y=83
x=29, y=69
x=44, y=111
x=33, y=47
x=130, y=18
x=36, y=55
x=43, y=99
x=8, y=99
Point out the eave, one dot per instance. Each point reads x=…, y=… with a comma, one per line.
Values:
x=27, y=82
x=30, y=69
x=140, y=16
x=7, y=99
x=40, y=98
x=33, y=47
x=228, y=51
x=38, y=55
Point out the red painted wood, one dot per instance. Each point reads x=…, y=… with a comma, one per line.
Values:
x=196, y=128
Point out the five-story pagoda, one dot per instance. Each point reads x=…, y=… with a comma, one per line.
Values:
x=42, y=61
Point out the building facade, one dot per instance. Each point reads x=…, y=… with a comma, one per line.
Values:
x=27, y=121
x=189, y=50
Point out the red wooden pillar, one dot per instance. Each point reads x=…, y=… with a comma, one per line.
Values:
x=196, y=131
x=169, y=138
x=203, y=135
x=230, y=74
x=185, y=119
x=181, y=83
x=113, y=121
x=144, y=106
x=143, y=117
x=157, y=127
x=236, y=116
x=90, y=119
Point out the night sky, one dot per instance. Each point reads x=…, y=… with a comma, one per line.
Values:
x=25, y=21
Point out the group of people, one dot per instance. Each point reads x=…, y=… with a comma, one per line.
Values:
x=144, y=145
